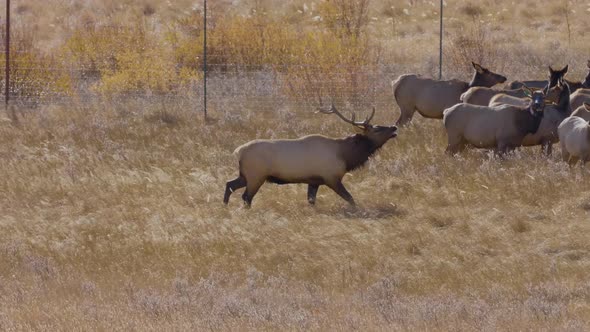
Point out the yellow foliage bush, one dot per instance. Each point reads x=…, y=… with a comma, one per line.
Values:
x=137, y=57
x=33, y=75
x=137, y=72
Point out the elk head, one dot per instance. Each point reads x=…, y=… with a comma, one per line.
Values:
x=485, y=77
x=378, y=135
x=555, y=75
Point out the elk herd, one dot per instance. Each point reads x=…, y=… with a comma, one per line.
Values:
x=475, y=113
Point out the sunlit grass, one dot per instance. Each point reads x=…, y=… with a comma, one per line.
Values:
x=111, y=214
x=115, y=220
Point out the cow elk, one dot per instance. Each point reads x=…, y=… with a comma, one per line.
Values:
x=585, y=84
x=580, y=97
x=431, y=97
x=554, y=77
x=583, y=112
x=481, y=96
x=501, y=128
x=315, y=159
x=574, y=137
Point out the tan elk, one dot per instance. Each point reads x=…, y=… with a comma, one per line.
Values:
x=315, y=159
x=554, y=76
x=574, y=137
x=585, y=84
x=556, y=110
x=431, y=97
x=479, y=95
x=501, y=128
x=580, y=97
x=583, y=112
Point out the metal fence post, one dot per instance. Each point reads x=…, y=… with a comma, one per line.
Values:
x=7, y=56
x=205, y=60
x=441, y=42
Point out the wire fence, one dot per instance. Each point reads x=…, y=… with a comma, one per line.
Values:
x=302, y=86
x=39, y=79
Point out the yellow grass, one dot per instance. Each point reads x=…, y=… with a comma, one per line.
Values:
x=111, y=215
x=112, y=219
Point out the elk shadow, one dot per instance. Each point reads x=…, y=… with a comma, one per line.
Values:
x=374, y=212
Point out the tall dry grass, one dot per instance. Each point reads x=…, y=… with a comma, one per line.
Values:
x=112, y=219
x=111, y=214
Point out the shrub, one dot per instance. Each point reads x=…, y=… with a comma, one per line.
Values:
x=33, y=75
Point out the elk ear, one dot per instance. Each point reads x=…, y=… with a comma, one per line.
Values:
x=564, y=70
x=587, y=107
x=588, y=64
x=551, y=69
x=477, y=67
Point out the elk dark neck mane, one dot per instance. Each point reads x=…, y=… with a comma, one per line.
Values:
x=576, y=85
x=526, y=122
x=356, y=150
x=564, y=100
x=476, y=80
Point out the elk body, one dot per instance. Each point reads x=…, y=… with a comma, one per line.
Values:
x=574, y=137
x=557, y=109
x=583, y=112
x=501, y=127
x=584, y=84
x=480, y=95
x=431, y=97
x=315, y=160
x=504, y=99
x=580, y=97
x=553, y=114
x=554, y=77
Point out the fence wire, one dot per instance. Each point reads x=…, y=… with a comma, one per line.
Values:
x=302, y=87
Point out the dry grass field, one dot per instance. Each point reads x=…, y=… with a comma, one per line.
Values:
x=111, y=214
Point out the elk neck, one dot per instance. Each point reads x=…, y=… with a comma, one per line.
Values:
x=526, y=122
x=356, y=150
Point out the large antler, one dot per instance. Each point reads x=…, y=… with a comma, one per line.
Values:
x=352, y=121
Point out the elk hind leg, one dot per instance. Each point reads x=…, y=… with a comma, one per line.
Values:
x=339, y=188
x=233, y=185
x=546, y=148
x=572, y=160
x=251, y=190
x=407, y=110
x=312, y=191
x=565, y=155
x=456, y=144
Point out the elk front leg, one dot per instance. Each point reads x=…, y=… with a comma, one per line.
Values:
x=233, y=185
x=339, y=188
x=312, y=191
x=251, y=190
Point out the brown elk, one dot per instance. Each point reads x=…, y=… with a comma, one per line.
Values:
x=502, y=127
x=431, y=97
x=315, y=159
x=583, y=112
x=556, y=110
x=479, y=95
x=585, y=84
x=554, y=77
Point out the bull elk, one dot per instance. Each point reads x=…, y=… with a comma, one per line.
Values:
x=315, y=159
